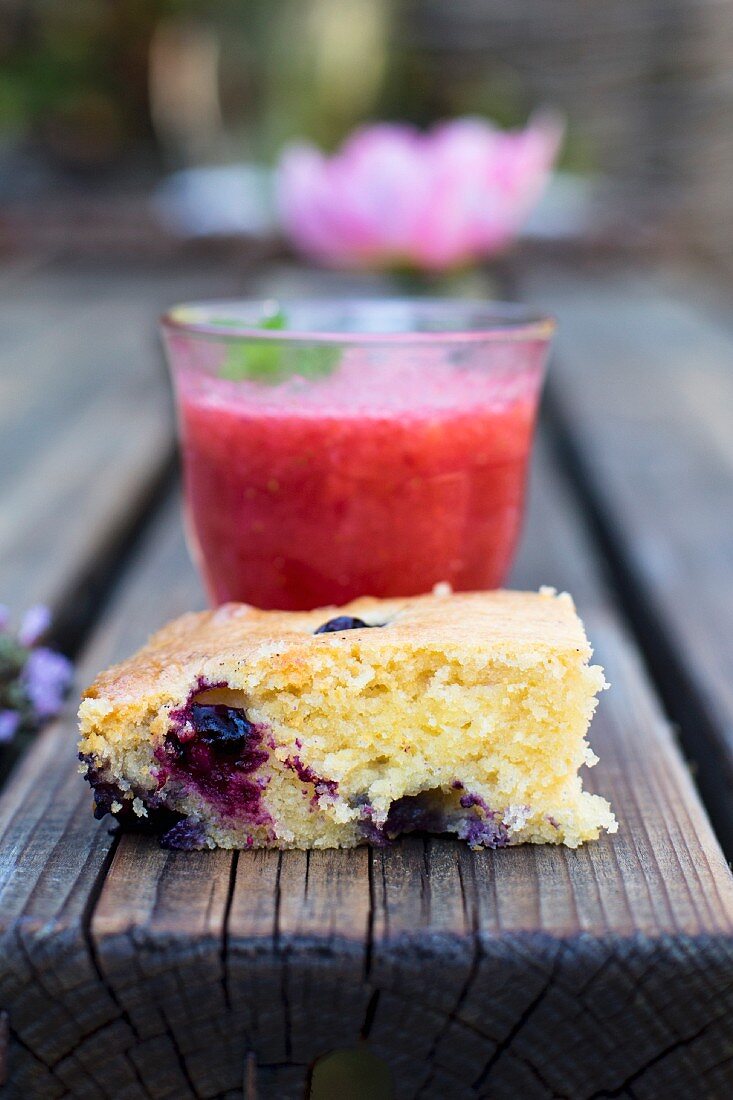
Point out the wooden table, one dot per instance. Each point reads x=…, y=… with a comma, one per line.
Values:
x=127, y=971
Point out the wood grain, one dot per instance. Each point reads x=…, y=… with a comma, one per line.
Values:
x=458, y=965
x=132, y=972
x=642, y=399
x=620, y=920
x=86, y=433
x=53, y=858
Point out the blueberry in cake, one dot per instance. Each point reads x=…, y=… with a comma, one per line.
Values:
x=462, y=714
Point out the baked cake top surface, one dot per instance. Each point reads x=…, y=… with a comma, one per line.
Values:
x=497, y=622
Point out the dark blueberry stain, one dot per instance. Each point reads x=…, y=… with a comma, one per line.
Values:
x=106, y=792
x=469, y=800
x=412, y=813
x=226, y=729
x=485, y=829
x=105, y=795
x=424, y=813
x=485, y=832
x=158, y=819
x=214, y=749
x=373, y=834
x=187, y=835
x=344, y=622
x=210, y=749
x=307, y=775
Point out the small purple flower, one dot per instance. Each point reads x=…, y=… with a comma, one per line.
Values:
x=4, y=617
x=34, y=625
x=46, y=678
x=9, y=722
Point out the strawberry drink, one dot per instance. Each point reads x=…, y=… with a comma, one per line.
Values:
x=321, y=468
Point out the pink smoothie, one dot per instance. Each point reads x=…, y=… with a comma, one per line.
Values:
x=383, y=479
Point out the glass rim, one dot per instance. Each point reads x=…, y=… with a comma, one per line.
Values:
x=504, y=321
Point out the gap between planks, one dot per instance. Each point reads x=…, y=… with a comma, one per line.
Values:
x=86, y=427
x=640, y=396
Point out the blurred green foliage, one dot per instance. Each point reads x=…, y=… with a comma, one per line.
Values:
x=75, y=75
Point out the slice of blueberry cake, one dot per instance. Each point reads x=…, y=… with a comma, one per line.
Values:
x=462, y=714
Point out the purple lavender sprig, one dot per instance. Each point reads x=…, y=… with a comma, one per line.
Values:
x=34, y=679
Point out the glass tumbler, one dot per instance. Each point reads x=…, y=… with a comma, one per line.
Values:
x=335, y=449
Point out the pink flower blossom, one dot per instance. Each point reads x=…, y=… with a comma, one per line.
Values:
x=395, y=197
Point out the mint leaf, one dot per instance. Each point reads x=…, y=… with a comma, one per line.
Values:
x=258, y=361
x=277, y=321
x=315, y=362
x=272, y=362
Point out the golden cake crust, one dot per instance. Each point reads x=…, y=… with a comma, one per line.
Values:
x=233, y=634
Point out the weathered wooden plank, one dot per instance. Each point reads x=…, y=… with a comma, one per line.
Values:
x=85, y=424
x=642, y=393
x=159, y=933
x=640, y=922
x=323, y=934
x=53, y=858
x=458, y=965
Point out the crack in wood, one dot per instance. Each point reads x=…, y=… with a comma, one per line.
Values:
x=39, y=979
x=276, y=907
x=80, y=1043
x=370, y=1015
x=505, y=1043
x=471, y=915
x=86, y=931
x=678, y=1044
x=225, y=930
x=596, y=975
x=385, y=907
x=16, y=1038
x=180, y=1056
x=682, y=698
x=32, y=1054
x=51, y=1066
x=283, y=951
x=452, y=1016
x=86, y=928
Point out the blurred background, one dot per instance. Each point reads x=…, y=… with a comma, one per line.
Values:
x=140, y=126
